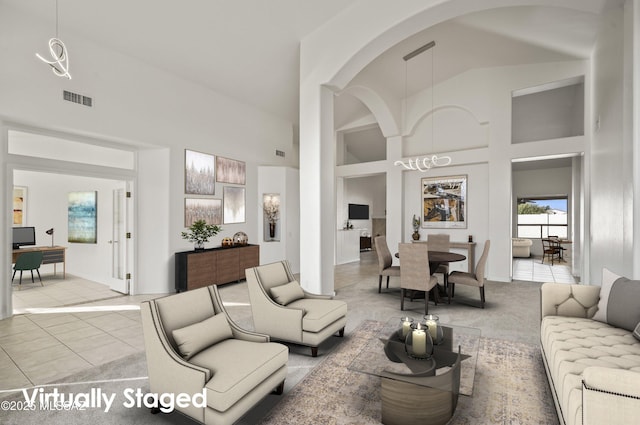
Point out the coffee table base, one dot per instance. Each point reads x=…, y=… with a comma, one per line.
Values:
x=404, y=403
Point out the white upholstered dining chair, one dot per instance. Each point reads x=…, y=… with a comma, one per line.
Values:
x=471, y=279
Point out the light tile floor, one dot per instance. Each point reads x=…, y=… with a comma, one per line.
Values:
x=66, y=326
x=532, y=269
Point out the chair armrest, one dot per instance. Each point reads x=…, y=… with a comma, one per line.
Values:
x=168, y=372
x=610, y=396
x=559, y=299
x=247, y=335
x=317, y=296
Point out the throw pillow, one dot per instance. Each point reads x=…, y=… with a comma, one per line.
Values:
x=289, y=292
x=621, y=306
x=194, y=338
x=636, y=332
x=608, y=277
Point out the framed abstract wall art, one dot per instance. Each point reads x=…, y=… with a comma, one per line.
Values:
x=83, y=217
x=199, y=173
x=209, y=210
x=444, y=202
x=19, y=206
x=230, y=171
x=234, y=205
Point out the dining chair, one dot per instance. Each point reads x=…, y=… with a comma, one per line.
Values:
x=471, y=279
x=440, y=242
x=28, y=261
x=414, y=271
x=385, y=261
x=550, y=249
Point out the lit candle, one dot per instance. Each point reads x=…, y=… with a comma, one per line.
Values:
x=419, y=341
x=406, y=327
x=433, y=329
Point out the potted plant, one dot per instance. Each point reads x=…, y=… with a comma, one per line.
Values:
x=200, y=232
x=416, y=225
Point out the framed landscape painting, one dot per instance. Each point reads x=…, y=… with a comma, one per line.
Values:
x=444, y=202
x=209, y=210
x=230, y=171
x=82, y=217
x=199, y=173
x=234, y=205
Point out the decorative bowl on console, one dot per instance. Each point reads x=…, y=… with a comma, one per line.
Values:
x=240, y=239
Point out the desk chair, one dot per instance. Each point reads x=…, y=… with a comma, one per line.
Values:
x=28, y=261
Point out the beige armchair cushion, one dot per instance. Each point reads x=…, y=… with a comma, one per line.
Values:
x=285, y=294
x=194, y=338
x=319, y=313
x=233, y=380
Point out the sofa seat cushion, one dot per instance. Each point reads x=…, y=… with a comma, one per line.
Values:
x=237, y=367
x=572, y=344
x=319, y=313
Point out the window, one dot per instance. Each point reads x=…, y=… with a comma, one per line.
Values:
x=541, y=217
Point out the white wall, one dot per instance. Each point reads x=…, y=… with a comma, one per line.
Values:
x=47, y=207
x=611, y=176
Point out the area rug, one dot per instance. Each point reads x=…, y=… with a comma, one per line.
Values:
x=509, y=387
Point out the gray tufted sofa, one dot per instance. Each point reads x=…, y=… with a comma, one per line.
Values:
x=593, y=368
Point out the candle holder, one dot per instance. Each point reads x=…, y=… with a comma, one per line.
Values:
x=418, y=343
x=405, y=327
x=432, y=323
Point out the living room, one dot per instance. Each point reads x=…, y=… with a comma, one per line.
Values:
x=160, y=113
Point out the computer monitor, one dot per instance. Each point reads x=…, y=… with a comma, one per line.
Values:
x=23, y=236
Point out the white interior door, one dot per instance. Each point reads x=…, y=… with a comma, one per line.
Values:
x=118, y=281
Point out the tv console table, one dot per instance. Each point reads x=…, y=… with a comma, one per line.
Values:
x=50, y=255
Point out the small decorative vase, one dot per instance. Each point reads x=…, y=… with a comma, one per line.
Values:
x=272, y=230
x=416, y=235
x=432, y=322
x=199, y=246
x=418, y=343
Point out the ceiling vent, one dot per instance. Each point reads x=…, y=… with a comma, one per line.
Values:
x=77, y=98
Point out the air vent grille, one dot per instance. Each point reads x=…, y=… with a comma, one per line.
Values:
x=279, y=153
x=77, y=98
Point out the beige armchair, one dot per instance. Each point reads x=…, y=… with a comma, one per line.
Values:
x=193, y=347
x=284, y=311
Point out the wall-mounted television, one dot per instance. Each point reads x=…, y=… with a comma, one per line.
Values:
x=23, y=236
x=358, y=212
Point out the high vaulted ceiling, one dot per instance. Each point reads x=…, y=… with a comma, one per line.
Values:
x=249, y=49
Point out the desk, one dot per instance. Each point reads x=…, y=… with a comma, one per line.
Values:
x=50, y=255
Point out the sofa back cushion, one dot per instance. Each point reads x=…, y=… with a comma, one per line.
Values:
x=194, y=338
x=184, y=309
x=619, y=303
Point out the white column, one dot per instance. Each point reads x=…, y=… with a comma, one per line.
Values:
x=317, y=190
x=395, y=195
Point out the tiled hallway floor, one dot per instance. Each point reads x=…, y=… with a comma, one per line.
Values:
x=532, y=269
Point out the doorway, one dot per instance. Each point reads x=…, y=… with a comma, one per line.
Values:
x=547, y=202
x=101, y=265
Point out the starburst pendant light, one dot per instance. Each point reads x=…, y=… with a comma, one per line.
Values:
x=429, y=161
x=60, y=63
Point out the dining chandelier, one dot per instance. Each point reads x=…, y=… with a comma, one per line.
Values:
x=427, y=162
x=60, y=63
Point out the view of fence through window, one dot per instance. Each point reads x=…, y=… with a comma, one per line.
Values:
x=542, y=217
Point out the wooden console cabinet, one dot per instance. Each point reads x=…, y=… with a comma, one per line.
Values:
x=215, y=266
